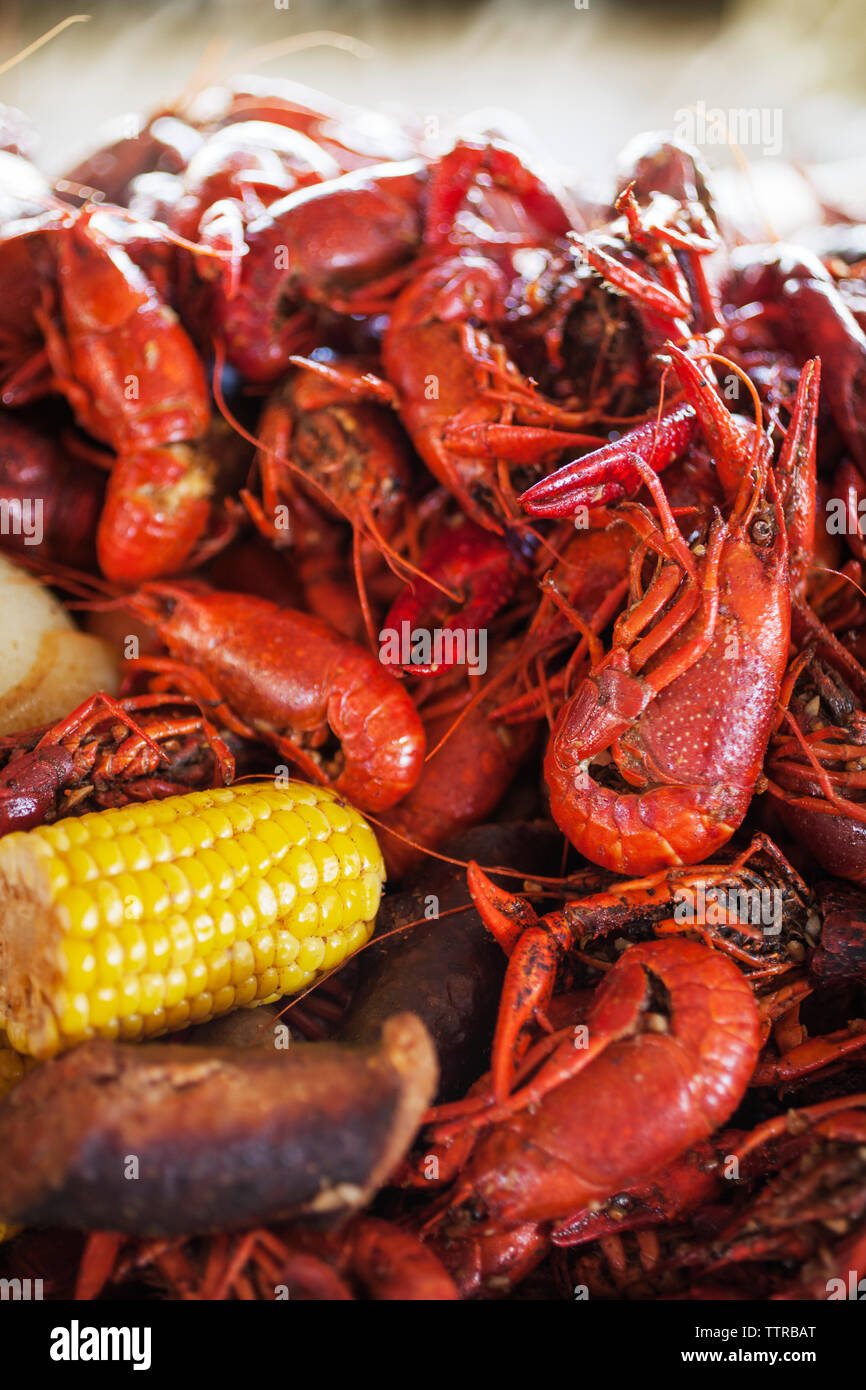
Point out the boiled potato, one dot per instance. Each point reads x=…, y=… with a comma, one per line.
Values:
x=47, y=666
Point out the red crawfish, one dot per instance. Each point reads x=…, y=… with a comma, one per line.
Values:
x=841, y=949
x=464, y=558
x=327, y=434
x=485, y=194
x=27, y=213
x=107, y=753
x=456, y=352
x=338, y=244
x=684, y=707
x=588, y=584
x=344, y=245
x=652, y=163
x=817, y=765
x=792, y=1056
x=255, y=162
x=809, y=1215
x=290, y=680
x=132, y=377
x=231, y=180
x=753, y=907
x=672, y=1040
x=442, y=353
x=596, y=316
x=585, y=588
x=135, y=381
x=37, y=470
x=367, y=1257
x=797, y=1199
x=791, y=296
x=163, y=144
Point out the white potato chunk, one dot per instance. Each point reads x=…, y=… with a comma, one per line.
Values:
x=47, y=666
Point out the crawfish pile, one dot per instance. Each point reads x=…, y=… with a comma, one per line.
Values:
x=438, y=483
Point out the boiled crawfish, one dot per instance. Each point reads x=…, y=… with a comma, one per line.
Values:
x=107, y=753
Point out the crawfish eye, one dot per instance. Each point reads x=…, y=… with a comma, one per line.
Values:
x=762, y=532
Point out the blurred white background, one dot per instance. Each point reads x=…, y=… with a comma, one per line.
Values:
x=584, y=79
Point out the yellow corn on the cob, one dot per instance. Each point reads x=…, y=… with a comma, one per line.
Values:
x=137, y=921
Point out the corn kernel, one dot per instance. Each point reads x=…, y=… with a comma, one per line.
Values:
x=103, y=1007
x=339, y=817
x=334, y=950
x=347, y=852
x=219, y=970
x=175, y=986
x=156, y=843
x=285, y=889
x=246, y=992
x=243, y=961
x=201, y=1007
x=218, y=871
x=354, y=899
x=268, y=983
x=154, y=1023
x=81, y=865
x=134, y=944
x=177, y=1016
x=311, y=954
x=315, y=818
x=176, y=885
x=327, y=862
x=303, y=921
x=134, y=853
x=287, y=947
x=224, y=999
x=105, y=857
x=182, y=941
x=73, y=1013
x=302, y=866
x=157, y=940
x=196, y=972
x=152, y=985
x=203, y=928
x=331, y=915
x=128, y=997
x=292, y=979
x=256, y=852
x=217, y=823
x=109, y=957
x=80, y=964
x=77, y=911
x=109, y=900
